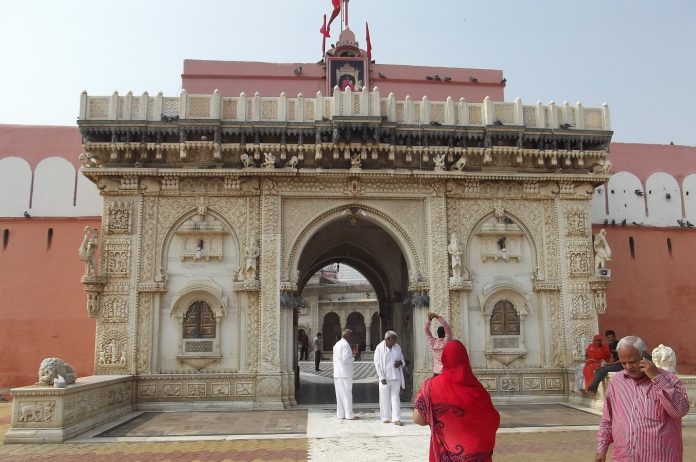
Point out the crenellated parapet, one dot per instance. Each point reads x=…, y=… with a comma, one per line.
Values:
x=350, y=130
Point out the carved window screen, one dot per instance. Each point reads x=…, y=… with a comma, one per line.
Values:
x=199, y=321
x=505, y=320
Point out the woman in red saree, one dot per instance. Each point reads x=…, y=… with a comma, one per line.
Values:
x=459, y=411
x=595, y=354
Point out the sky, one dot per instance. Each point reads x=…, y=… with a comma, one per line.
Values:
x=635, y=55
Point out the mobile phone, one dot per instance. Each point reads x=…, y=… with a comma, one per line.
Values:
x=645, y=356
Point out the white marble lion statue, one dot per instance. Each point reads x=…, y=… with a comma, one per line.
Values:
x=51, y=368
x=665, y=358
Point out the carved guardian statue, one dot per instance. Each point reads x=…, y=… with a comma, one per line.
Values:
x=51, y=368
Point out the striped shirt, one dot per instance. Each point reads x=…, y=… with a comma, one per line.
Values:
x=643, y=418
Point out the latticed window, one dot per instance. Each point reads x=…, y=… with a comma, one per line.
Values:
x=505, y=320
x=199, y=321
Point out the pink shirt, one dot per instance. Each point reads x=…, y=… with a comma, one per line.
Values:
x=437, y=344
x=643, y=418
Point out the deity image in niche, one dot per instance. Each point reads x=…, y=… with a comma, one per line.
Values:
x=346, y=73
x=346, y=81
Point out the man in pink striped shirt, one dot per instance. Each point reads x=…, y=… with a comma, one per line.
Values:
x=444, y=335
x=642, y=410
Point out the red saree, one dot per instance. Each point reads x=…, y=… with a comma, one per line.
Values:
x=459, y=411
x=594, y=356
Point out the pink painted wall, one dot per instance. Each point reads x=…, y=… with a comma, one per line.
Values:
x=645, y=159
x=652, y=294
x=271, y=79
x=34, y=143
x=43, y=310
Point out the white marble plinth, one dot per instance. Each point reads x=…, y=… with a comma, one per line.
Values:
x=52, y=415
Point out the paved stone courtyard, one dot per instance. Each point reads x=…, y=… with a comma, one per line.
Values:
x=324, y=438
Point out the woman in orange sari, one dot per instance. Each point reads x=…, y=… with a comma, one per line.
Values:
x=459, y=411
x=594, y=356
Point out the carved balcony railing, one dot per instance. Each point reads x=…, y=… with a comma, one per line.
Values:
x=364, y=103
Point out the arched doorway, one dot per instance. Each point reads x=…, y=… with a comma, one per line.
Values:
x=356, y=323
x=331, y=330
x=353, y=240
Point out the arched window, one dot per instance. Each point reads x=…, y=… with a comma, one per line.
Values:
x=505, y=320
x=199, y=321
x=356, y=323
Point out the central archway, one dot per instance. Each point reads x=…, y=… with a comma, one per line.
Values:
x=368, y=246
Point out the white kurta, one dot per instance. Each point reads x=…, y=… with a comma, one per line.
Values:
x=389, y=400
x=343, y=379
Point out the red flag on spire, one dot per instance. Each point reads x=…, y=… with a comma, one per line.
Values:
x=369, y=43
x=334, y=14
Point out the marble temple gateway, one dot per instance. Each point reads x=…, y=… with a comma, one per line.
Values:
x=219, y=208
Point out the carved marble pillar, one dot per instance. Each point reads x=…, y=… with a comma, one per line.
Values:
x=269, y=376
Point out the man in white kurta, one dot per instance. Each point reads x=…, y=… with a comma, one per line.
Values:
x=389, y=363
x=343, y=376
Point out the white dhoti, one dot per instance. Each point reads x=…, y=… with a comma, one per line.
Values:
x=389, y=401
x=344, y=397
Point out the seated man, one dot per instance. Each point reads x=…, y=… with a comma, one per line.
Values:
x=613, y=366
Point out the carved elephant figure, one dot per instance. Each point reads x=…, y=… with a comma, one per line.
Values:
x=38, y=412
x=51, y=368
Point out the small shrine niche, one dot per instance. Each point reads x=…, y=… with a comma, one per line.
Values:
x=201, y=239
x=501, y=239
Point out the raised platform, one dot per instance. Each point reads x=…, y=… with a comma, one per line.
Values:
x=43, y=414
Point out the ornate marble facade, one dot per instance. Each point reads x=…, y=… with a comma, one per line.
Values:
x=215, y=219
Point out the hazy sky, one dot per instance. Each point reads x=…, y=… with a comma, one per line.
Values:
x=636, y=55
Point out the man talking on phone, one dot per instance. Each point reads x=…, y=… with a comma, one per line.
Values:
x=643, y=408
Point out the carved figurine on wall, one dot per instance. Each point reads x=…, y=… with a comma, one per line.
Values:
x=439, y=162
x=269, y=160
x=88, y=251
x=250, y=255
x=602, y=249
x=355, y=162
x=455, y=256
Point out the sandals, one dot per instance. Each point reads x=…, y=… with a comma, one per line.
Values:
x=398, y=422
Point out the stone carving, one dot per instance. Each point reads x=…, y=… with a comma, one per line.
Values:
x=460, y=163
x=88, y=251
x=604, y=167
x=576, y=222
x=40, y=411
x=117, y=257
x=92, y=304
x=665, y=358
x=578, y=254
x=355, y=161
x=247, y=161
x=220, y=389
x=115, y=309
x=117, y=217
x=52, y=368
x=602, y=249
x=196, y=390
x=581, y=307
x=88, y=161
x=269, y=160
x=455, y=257
x=244, y=389
x=112, y=351
x=292, y=163
x=509, y=384
x=251, y=253
x=439, y=162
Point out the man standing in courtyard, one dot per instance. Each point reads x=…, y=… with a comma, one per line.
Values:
x=444, y=335
x=642, y=410
x=343, y=376
x=389, y=362
x=318, y=347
